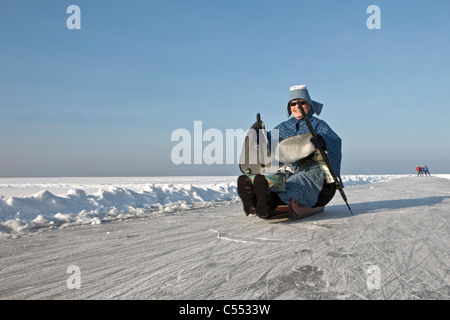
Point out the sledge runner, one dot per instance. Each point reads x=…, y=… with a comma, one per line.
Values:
x=308, y=187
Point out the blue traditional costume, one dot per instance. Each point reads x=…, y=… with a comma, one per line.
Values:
x=307, y=181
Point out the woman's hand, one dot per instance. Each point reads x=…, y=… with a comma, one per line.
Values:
x=319, y=142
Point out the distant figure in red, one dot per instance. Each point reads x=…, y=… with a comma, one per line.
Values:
x=419, y=170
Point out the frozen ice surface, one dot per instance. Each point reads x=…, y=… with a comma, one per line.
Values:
x=395, y=246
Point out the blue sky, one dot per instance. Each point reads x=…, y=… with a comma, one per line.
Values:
x=105, y=99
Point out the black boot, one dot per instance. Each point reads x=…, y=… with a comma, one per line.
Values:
x=261, y=189
x=245, y=192
x=266, y=201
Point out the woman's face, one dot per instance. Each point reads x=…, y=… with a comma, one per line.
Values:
x=295, y=105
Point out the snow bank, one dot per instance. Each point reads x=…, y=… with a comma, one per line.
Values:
x=45, y=209
x=28, y=204
x=350, y=180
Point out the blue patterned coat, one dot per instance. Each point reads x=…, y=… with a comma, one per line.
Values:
x=306, y=183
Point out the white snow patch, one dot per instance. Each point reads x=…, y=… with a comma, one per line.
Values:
x=445, y=176
x=30, y=205
x=349, y=180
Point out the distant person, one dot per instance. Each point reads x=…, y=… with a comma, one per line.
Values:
x=419, y=170
x=426, y=171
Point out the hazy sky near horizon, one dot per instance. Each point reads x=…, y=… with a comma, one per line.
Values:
x=105, y=99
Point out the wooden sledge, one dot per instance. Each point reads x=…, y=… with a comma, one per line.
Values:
x=298, y=213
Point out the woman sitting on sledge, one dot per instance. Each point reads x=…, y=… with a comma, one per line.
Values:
x=307, y=190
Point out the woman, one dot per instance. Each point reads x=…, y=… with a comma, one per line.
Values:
x=306, y=190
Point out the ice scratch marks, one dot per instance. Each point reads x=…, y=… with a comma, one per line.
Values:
x=142, y=282
x=341, y=253
x=242, y=239
x=303, y=282
x=280, y=234
x=233, y=238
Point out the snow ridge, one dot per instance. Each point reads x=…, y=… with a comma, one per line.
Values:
x=44, y=209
